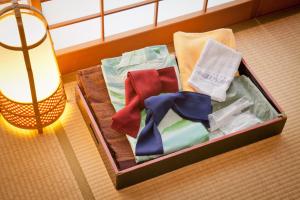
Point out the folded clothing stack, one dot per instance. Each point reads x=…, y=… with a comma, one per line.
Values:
x=189, y=47
x=158, y=118
x=208, y=64
x=173, y=127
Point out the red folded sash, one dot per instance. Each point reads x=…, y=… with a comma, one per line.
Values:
x=139, y=85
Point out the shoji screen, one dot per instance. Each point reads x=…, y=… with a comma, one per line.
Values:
x=74, y=22
x=84, y=31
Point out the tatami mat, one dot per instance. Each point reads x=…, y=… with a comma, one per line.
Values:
x=64, y=162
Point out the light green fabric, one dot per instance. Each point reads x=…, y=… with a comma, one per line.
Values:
x=177, y=133
x=240, y=87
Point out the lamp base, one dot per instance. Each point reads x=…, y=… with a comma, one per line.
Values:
x=22, y=115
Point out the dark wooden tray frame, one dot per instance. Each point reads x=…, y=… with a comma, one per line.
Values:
x=173, y=161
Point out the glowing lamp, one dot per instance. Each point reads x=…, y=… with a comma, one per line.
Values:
x=31, y=91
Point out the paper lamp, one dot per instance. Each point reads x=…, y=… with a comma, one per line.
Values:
x=31, y=91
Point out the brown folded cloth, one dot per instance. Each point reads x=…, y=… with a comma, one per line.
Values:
x=92, y=82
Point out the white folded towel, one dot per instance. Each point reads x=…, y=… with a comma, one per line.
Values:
x=215, y=70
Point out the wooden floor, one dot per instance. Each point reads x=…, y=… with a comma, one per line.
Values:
x=64, y=162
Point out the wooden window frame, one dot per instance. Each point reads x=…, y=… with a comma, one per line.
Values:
x=90, y=53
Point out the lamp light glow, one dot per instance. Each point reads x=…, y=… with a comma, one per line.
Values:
x=31, y=91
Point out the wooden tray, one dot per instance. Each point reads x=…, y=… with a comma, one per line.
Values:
x=173, y=161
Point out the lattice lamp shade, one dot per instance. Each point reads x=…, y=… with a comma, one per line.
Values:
x=31, y=91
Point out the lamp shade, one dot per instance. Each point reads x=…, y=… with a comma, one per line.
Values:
x=31, y=91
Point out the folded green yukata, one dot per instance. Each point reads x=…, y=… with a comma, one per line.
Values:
x=177, y=133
